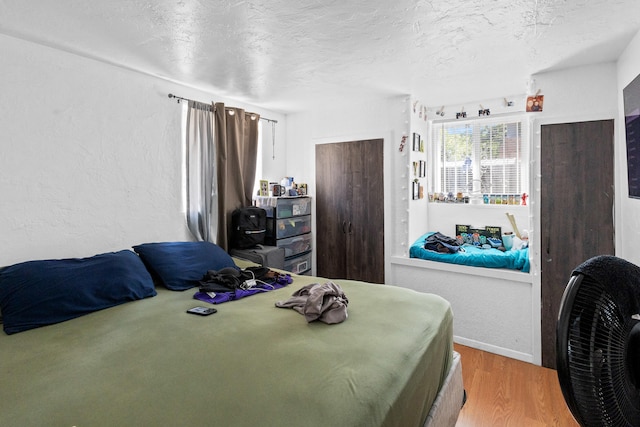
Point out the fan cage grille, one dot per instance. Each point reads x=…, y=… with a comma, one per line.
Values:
x=602, y=391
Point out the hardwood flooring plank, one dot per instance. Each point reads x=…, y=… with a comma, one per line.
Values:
x=508, y=392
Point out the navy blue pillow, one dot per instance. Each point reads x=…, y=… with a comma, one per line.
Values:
x=39, y=293
x=181, y=265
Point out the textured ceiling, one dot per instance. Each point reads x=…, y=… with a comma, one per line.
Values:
x=287, y=55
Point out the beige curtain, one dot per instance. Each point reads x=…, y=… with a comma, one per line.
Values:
x=236, y=141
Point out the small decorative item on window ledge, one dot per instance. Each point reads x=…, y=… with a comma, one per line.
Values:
x=450, y=197
x=501, y=199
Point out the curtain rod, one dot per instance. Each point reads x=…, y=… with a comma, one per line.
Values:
x=179, y=98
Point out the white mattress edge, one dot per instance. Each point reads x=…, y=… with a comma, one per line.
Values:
x=448, y=403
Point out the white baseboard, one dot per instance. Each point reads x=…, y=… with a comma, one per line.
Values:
x=494, y=349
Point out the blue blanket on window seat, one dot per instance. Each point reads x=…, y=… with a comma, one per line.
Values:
x=474, y=256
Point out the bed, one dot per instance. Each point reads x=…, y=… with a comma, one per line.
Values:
x=473, y=256
x=145, y=361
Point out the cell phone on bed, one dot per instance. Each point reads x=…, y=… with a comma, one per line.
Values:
x=202, y=311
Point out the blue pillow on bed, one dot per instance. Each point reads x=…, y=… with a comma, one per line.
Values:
x=39, y=293
x=181, y=265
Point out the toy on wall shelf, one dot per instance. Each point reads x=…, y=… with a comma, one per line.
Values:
x=524, y=199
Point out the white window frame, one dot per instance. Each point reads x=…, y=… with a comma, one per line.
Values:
x=477, y=189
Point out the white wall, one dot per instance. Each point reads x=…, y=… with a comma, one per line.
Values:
x=417, y=213
x=444, y=216
x=91, y=155
x=353, y=120
x=628, y=226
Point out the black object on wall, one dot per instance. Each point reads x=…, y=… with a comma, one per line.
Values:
x=631, y=95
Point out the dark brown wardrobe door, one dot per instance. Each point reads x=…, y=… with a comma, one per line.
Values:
x=331, y=226
x=576, y=210
x=350, y=210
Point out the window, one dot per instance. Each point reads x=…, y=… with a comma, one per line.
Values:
x=259, y=161
x=486, y=156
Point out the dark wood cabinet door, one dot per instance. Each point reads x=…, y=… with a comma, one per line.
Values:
x=331, y=222
x=350, y=210
x=576, y=210
x=365, y=242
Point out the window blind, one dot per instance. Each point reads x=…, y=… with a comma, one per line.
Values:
x=490, y=156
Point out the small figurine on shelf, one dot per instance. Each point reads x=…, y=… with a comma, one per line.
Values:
x=524, y=199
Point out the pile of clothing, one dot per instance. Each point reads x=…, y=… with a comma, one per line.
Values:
x=444, y=244
x=324, y=302
x=231, y=283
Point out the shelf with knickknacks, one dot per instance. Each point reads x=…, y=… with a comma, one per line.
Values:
x=449, y=197
x=286, y=188
x=505, y=199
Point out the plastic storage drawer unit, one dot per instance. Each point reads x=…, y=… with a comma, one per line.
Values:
x=294, y=245
x=287, y=206
x=294, y=207
x=289, y=227
x=298, y=265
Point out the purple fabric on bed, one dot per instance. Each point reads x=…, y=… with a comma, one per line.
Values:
x=234, y=295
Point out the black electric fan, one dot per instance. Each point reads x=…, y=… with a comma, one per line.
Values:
x=598, y=343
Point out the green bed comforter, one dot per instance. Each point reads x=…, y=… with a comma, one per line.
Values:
x=148, y=363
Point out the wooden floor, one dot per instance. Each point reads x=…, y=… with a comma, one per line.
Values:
x=507, y=392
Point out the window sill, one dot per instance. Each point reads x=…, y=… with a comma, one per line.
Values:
x=481, y=205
